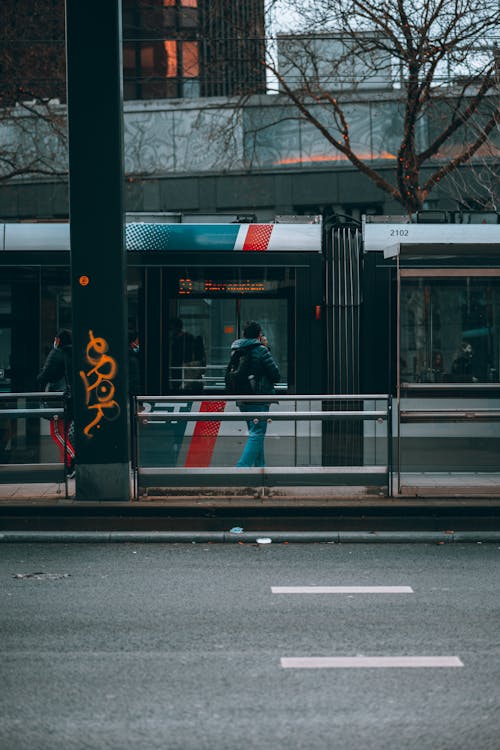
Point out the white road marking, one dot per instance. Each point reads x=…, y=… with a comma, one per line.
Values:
x=356, y=662
x=341, y=589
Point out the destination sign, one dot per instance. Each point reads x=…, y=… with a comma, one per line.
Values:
x=226, y=286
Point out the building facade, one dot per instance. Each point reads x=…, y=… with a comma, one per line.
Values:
x=171, y=49
x=211, y=155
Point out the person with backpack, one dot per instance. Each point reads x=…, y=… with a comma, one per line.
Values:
x=252, y=371
x=55, y=375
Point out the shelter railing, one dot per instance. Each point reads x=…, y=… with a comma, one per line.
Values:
x=428, y=415
x=23, y=435
x=195, y=441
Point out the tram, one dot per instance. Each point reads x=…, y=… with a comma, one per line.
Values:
x=411, y=310
x=195, y=282
x=434, y=295
x=211, y=277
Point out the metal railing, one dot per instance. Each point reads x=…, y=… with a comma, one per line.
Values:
x=444, y=411
x=192, y=378
x=25, y=473
x=166, y=409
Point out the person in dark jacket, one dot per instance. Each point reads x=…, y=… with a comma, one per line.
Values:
x=266, y=374
x=56, y=375
x=187, y=359
x=463, y=368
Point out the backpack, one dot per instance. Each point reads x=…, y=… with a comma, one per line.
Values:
x=240, y=378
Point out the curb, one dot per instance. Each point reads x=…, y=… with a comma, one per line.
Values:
x=280, y=537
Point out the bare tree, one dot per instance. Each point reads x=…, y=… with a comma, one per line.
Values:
x=437, y=59
x=32, y=85
x=479, y=188
x=33, y=139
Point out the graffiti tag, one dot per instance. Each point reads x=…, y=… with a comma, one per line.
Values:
x=98, y=382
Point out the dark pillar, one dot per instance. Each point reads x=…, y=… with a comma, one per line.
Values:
x=98, y=280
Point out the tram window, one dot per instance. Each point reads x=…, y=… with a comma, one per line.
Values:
x=199, y=351
x=55, y=306
x=134, y=289
x=450, y=329
x=213, y=304
x=5, y=358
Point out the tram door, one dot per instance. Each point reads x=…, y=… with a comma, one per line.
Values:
x=201, y=331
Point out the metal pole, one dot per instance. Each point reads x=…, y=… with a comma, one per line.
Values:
x=98, y=267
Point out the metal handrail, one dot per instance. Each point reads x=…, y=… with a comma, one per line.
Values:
x=41, y=411
x=441, y=387
x=270, y=397
x=448, y=390
x=442, y=415
x=35, y=472
x=449, y=415
x=34, y=394
x=276, y=416
x=377, y=415
x=23, y=413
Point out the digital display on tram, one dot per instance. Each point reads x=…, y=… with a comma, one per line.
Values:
x=226, y=286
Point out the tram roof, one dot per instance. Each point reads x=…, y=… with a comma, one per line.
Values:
x=154, y=237
x=431, y=239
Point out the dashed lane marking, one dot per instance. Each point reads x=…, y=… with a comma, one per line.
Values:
x=341, y=589
x=368, y=662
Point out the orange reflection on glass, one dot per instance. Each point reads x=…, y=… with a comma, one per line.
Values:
x=333, y=157
x=184, y=3
x=170, y=46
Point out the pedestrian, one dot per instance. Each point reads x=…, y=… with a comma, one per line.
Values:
x=463, y=368
x=187, y=359
x=56, y=375
x=252, y=370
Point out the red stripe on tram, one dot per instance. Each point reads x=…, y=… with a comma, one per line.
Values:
x=204, y=437
x=258, y=236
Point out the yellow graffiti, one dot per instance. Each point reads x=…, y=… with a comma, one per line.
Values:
x=99, y=388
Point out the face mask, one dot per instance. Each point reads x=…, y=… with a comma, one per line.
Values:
x=56, y=344
x=135, y=348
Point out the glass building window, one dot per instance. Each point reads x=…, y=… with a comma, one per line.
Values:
x=190, y=60
x=161, y=69
x=171, y=54
x=219, y=45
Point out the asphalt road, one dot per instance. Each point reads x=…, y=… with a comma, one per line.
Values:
x=181, y=646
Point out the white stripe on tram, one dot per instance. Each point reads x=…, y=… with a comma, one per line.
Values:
x=341, y=589
x=369, y=662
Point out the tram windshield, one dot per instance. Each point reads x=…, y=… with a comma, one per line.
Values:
x=208, y=311
x=202, y=331
x=450, y=328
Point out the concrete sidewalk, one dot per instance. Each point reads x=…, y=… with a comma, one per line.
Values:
x=35, y=513
x=423, y=489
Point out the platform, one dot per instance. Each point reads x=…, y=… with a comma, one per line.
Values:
x=419, y=489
